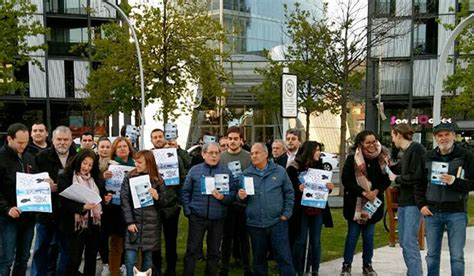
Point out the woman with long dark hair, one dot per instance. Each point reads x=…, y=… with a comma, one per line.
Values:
x=365, y=181
x=305, y=218
x=143, y=224
x=79, y=223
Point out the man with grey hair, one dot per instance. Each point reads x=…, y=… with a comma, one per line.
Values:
x=268, y=210
x=443, y=198
x=206, y=210
x=279, y=152
x=293, y=143
x=53, y=161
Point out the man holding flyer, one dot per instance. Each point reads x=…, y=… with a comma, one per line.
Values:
x=17, y=227
x=169, y=214
x=208, y=190
x=53, y=161
x=268, y=211
x=445, y=201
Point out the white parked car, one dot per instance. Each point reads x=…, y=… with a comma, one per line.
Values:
x=330, y=161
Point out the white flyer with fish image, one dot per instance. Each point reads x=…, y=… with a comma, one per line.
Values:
x=168, y=167
x=114, y=184
x=222, y=183
x=235, y=168
x=315, y=193
x=139, y=188
x=33, y=193
x=437, y=169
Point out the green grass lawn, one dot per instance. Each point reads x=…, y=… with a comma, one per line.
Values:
x=332, y=240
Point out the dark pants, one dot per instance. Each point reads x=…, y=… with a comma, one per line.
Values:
x=197, y=228
x=15, y=244
x=235, y=229
x=104, y=245
x=278, y=235
x=46, y=252
x=170, y=232
x=74, y=245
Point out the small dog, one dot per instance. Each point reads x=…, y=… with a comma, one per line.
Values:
x=137, y=272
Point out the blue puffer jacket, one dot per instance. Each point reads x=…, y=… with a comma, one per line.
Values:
x=206, y=206
x=274, y=196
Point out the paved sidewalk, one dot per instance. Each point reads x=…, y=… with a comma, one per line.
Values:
x=389, y=260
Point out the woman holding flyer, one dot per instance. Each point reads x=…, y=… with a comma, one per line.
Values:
x=143, y=223
x=122, y=154
x=365, y=181
x=79, y=222
x=306, y=218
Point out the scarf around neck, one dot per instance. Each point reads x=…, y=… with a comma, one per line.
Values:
x=81, y=221
x=381, y=154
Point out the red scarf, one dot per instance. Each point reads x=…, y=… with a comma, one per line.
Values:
x=381, y=153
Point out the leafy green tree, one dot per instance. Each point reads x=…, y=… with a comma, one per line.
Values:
x=306, y=57
x=461, y=83
x=17, y=23
x=177, y=46
x=333, y=57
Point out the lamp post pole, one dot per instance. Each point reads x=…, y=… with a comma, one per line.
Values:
x=140, y=66
x=442, y=68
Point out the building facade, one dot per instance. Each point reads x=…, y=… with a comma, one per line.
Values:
x=56, y=94
x=402, y=69
x=252, y=27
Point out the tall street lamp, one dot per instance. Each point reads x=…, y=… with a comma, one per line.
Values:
x=140, y=67
x=440, y=74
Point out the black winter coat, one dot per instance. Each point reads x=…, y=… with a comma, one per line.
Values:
x=352, y=190
x=147, y=219
x=48, y=161
x=67, y=207
x=10, y=164
x=298, y=209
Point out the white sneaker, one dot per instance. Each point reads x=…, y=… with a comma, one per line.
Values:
x=105, y=270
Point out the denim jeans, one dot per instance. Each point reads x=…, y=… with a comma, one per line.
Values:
x=43, y=257
x=353, y=232
x=408, y=226
x=314, y=224
x=197, y=228
x=278, y=236
x=131, y=257
x=15, y=244
x=455, y=223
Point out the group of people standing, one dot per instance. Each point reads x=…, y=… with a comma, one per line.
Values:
x=270, y=218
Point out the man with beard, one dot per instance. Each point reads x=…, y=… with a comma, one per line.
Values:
x=235, y=232
x=450, y=170
x=169, y=214
x=53, y=161
x=293, y=143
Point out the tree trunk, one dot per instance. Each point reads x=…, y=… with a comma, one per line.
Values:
x=308, y=114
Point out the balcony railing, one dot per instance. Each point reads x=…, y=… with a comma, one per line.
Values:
x=66, y=48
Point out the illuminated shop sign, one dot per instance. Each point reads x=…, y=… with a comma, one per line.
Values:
x=422, y=120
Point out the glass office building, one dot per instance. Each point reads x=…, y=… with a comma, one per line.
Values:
x=252, y=26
